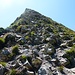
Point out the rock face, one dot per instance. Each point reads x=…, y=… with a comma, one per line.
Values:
x=36, y=45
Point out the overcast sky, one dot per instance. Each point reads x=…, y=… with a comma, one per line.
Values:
x=62, y=11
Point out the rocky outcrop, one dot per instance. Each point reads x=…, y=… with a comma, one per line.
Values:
x=36, y=45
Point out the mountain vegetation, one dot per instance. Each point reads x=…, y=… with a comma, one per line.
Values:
x=36, y=45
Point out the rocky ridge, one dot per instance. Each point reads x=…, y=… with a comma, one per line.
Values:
x=36, y=45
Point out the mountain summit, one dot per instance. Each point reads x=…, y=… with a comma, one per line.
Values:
x=36, y=45
x=29, y=13
x=30, y=16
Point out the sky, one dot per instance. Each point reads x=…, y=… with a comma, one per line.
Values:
x=62, y=11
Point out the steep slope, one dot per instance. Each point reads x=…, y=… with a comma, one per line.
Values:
x=35, y=44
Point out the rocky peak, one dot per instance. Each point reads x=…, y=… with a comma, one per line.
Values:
x=29, y=17
x=32, y=15
x=37, y=44
x=30, y=12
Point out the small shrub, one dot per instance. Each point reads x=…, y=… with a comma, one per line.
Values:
x=66, y=37
x=9, y=38
x=36, y=62
x=70, y=55
x=73, y=39
x=19, y=28
x=60, y=68
x=22, y=42
x=7, y=58
x=10, y=57
x=26, y=37
x=15, y=50
x=70, y=43
x=13, y=72
x=71, y=52
x=32, y=33
x=23, y=58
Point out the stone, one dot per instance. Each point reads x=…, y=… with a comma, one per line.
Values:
x=63, y=45
x=63, y=61
x=21, y=41
x=30, y=73
x=48, y=39
x=1, y=70
x=28, y=66
x=42, y=71
x=14, y=64
x=5, y=51
x=53, y=60
x=45, y=69
x=47, y=57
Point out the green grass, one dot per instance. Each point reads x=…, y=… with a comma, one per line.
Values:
x=13, y=72
x=61, y=68
x=24, y=57
x=26, y=37
x=71, y=51
x=15, y=50
x=3, y=63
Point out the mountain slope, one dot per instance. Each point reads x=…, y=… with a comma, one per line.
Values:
x=30, y=17
x=34, y=43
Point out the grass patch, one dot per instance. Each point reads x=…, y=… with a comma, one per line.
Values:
x=3, y=63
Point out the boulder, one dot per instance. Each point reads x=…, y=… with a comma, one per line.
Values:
x=63, y=61
x=42, y=71
x=63, y=45
x=48, y=39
